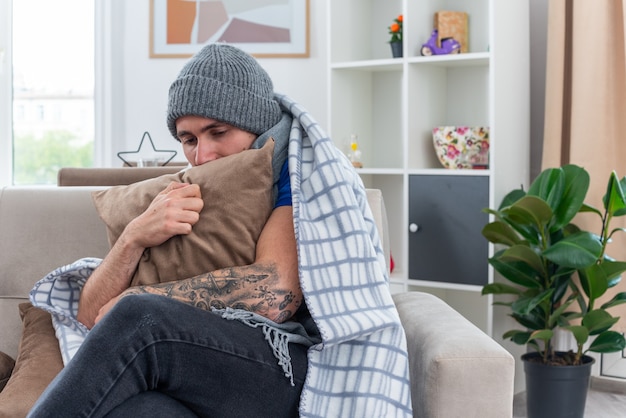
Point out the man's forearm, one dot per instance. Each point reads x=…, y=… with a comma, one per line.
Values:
x=255, y=288
x=109, y=280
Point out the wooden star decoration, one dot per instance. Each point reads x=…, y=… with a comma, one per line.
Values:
x=154, y=151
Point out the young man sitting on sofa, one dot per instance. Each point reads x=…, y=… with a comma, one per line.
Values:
x=312, y=301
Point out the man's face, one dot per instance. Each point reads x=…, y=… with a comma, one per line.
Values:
x=205, y=140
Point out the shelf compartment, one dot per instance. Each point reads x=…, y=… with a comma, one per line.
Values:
x=359, y=29
x=369, y=105
x=420, y=22
x=458, y=96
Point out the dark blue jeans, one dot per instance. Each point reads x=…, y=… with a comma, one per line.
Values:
x=152, y=355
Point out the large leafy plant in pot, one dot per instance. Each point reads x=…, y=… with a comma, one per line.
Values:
x=555, y=273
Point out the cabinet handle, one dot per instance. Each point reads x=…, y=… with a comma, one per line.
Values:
x=413, y=227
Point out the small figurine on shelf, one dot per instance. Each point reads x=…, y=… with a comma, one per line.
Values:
x=448, y=46
x=355, y=153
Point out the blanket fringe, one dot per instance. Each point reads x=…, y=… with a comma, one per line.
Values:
x=278, y=339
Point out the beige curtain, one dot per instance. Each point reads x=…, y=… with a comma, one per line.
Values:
x=585, y=120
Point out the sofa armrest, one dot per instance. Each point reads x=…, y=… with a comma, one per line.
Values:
x=456, y=369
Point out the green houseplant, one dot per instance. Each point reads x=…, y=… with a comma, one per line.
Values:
x=555, y=272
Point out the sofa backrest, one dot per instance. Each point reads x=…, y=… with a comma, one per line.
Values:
x=78, y=176
x=41, y=228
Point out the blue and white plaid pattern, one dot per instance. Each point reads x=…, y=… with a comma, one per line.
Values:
x=58, y=293
x=361, y=367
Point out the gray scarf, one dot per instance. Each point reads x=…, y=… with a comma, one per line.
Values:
x=280, y=134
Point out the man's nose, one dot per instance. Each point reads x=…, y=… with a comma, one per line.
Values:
x=205, y=152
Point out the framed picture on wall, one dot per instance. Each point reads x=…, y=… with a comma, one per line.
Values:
x=263, y=28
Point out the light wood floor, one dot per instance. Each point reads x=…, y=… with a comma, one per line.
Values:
x=604, y=400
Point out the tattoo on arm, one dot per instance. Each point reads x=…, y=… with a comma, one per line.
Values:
x=252, y=288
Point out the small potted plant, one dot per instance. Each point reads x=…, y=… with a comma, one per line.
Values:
x=554, y=275
x=395, y=30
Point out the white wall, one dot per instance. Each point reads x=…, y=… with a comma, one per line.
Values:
x=139, y=84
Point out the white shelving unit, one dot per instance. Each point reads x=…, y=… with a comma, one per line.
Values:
x=392, y=104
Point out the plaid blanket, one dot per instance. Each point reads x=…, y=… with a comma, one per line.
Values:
x=360, y=369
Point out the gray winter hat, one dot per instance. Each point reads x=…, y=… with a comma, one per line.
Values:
x=224, y=83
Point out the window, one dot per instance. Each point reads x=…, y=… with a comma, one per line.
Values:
x=51, y=89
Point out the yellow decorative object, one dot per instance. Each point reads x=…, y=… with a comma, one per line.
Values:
x=355, y=153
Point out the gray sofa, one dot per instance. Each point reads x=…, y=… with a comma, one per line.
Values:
x=456, y=369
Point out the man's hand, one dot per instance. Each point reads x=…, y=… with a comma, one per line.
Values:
x=174, y=211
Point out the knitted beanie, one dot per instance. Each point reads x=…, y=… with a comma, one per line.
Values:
x=224, y=83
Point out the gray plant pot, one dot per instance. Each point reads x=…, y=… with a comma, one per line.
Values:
x=556, y=391
x=396, y=49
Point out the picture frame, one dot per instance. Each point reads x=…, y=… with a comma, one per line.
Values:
x=263, y=28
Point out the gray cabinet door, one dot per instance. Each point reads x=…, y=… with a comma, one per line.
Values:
x=447, y=213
